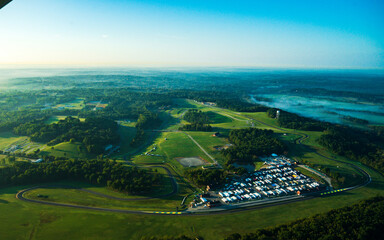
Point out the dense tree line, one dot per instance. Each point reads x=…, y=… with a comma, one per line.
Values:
x=294, y=121
x=238, y=105
x=106, y=173
x=364, y=220
x=250, y=143
x=139, y=138
x=204, y=177
x=196, y=127
x=361, y=221
x=355, y=120
x=12, y=119
x=147, y=120
x=182, y=237
x=94, y=133
x=378, y=131
x=196, y=116
x=199, y=121
x=125, y=103
x=354, y=144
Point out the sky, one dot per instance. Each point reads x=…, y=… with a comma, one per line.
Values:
x=281, y=34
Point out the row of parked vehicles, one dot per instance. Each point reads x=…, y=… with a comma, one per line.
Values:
x=273, y=181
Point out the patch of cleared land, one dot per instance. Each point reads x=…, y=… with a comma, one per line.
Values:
x=67, y=149
x=76, y=104
x=190, y=161
x=34, y=221
x=56, y=119
x=17, y=144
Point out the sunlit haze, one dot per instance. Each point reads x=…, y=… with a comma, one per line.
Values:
x=307, y=34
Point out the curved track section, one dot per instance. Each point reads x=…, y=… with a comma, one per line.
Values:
x=303, y=136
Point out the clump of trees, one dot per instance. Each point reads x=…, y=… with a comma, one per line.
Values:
x=378, y=131
x=94, y=133
x=204, y=177
x=250, y=143
x=294, y=121
x=199, y=121
x=355, y=120
x=364, y=220
x=238, y=105
x=147, y=120
x=354, y=144
x=361, y=221
x=106, y=173
x=11, y=119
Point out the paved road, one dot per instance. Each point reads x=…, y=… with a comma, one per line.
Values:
x=194, y=141
x=202, y=149
x=235, y=118
x=323, y=176
x=304, y=136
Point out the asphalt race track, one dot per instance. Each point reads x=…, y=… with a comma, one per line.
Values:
x=303, y=136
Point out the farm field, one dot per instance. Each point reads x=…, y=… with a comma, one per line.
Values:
x=76, y=104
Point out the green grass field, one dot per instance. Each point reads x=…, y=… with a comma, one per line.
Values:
x=177, y=145
x=23, y=143
x=34, y=221
x=66, y=149
x=56, y=119
x=208, y=142
x=8, y=138
x=310, y=174
x=76, y=104
x=78, y=197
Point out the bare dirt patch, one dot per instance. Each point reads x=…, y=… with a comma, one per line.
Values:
x=190, y=161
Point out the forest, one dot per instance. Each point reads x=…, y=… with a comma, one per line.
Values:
x=355, y=144
x=364, y=220
x=238, y=105
x=294, y=121
x=103, y=172
x=251, y=143
x=147, y=120
x=199, y=121
x=94, y=133
x=204, y=177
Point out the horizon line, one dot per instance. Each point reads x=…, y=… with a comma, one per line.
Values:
x=159, y=66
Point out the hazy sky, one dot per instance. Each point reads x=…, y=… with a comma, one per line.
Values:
x=314, y=34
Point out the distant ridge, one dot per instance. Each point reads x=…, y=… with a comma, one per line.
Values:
x=4, y=2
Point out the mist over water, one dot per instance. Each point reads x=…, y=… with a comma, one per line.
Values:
x=325, y=109
x=328, y=95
